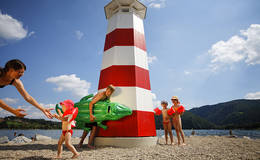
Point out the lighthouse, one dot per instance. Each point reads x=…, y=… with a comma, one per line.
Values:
x=125, y=66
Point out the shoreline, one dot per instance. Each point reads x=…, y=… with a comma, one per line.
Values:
x=198, y=147
x=55, y=133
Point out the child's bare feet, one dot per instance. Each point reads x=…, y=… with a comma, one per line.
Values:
x=75, y=156
x=183, y=144
x=58, y=157
x=91, y=147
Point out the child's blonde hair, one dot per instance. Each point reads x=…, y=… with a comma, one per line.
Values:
x=175, y=98
x=111, y=87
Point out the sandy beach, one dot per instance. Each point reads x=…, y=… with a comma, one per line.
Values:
x=198, y=147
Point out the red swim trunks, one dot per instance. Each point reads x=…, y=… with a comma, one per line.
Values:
x=64, y=132
x=166, y=122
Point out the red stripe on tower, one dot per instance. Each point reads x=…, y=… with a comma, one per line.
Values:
x=131, y=76
x=125, y=37
x=137, y=125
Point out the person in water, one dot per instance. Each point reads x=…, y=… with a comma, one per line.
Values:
x=166, y=122
x=176, y=120
x=67, y=131
x=10, y=75
x=101, y=96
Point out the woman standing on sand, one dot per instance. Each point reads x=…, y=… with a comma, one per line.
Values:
x=176, y=120
x=10, y=75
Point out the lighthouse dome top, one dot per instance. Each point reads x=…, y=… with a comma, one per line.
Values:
x=125, y=6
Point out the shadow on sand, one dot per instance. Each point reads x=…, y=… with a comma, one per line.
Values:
x=35, y=157
x=25, y=147
x=28, y=158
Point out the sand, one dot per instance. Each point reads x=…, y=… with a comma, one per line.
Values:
x=198, y=147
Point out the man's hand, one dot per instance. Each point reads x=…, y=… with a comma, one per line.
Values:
x=92, y=118
x=47, y=112
x=18, y=112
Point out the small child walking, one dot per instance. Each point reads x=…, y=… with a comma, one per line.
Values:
x=166, y=122
x=67, y=132
x=176, y=119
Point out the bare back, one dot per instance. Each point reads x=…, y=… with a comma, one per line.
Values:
x=99, y=96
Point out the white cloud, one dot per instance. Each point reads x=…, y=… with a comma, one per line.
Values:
x=252, y=44
x=239, y=48
x=10, y=100
x=156, y=103
x=70, y=83
x=50, y=105
x=187, y=72
x=178, y=89
x=151, y=59
x=255, y=95
x=4, y=113
x=154, y=3
x=31, y=33
x=10, y=28
x=79, y=34
x=35, y=113
x=229, y=51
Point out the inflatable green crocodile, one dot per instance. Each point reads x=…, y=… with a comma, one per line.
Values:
x=102, y=110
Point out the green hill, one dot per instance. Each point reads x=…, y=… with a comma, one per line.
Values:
x=234, y=114
x=25, y=123
x=189, y=121
x=192, y=121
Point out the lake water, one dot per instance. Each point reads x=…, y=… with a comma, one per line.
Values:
x=77, y=133
x=240, y=133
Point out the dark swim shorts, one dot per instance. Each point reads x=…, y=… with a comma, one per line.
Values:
x=90, y=125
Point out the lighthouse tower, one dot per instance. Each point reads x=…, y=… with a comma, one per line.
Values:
x=125, y=66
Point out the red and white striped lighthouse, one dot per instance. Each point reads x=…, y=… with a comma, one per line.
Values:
x=125, y=66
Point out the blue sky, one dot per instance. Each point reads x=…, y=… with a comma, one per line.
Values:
x=205, y=52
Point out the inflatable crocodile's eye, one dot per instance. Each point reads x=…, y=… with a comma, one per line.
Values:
x=108, y=109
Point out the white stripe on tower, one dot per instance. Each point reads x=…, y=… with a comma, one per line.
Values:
x=126, y=20
x=125, y=55
x=133, y=97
